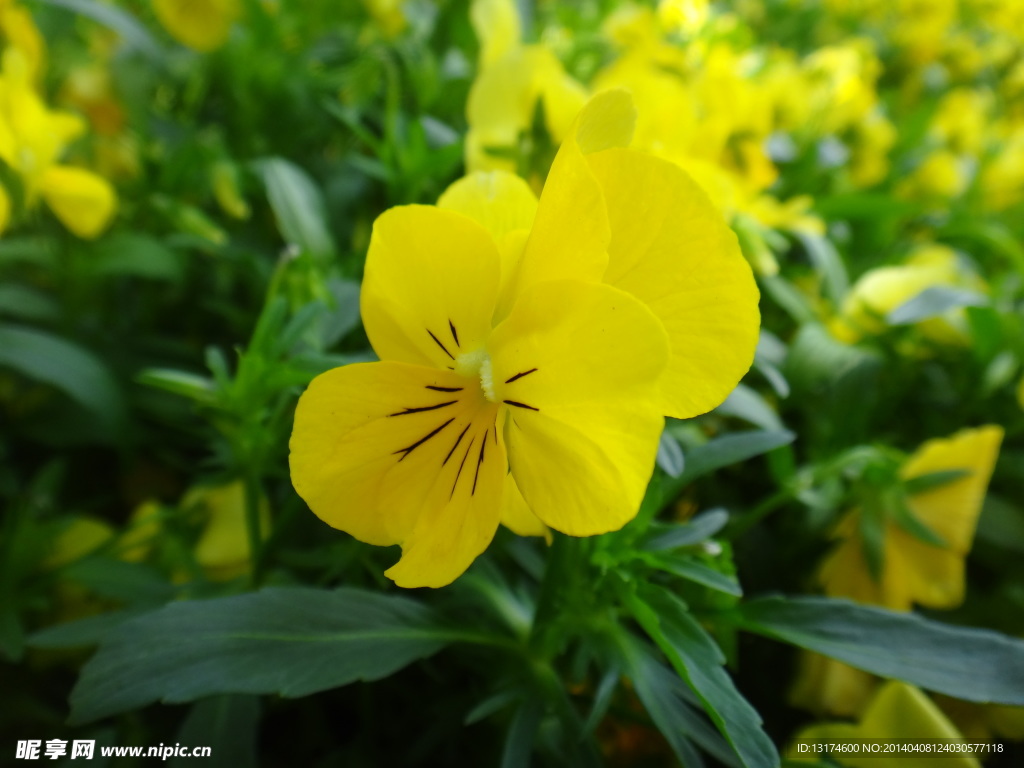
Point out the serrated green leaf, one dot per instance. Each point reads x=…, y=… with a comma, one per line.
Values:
x=698, y=660
x=288, y=641
x=963, y=662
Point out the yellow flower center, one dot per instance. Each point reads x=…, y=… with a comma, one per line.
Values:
x=477, y=364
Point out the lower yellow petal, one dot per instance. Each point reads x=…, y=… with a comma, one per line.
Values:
x=400, y=454
x=517, y=516
x=84, y=202
x=576, y=365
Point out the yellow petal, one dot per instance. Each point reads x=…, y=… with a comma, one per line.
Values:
x=430, y=285
x=1020, y=392
x=952, y=510
x=78, y=539
x=516, y=514
x=84, y=202
x=497, y=200
x=901, y=711
x=576, y=364
x=827, y=685
x=5, y=209
x=570, y=234
x=223, y=547
x=673, y=250
x=497, y=27
x=399, y=454
x=200, y=24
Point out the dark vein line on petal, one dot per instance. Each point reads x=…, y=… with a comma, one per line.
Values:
x=459, y=473
x=458, y=440
x=517, y=404
x=455, y=334
x=520, y=375
x=407, y=411
x=479, y=461
x=442, y=346
x=444, y=389
x=422, y=440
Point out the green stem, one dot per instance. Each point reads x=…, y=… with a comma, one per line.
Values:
x=252, y=524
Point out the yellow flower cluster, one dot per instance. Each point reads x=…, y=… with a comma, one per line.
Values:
x=34, y=137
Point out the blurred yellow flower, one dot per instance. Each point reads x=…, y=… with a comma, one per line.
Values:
x=897, y=711
x=685, y=16
x=19, y=31
x=5, y=209
x=1002, y=178
x=388, y=15
x=203, y=25
x=914, y=571
x=879, y=291
x=872, y=138
x=504, y=354
x=513, y=82
x=32, y=140
x=223, y=548
x=1020, y=392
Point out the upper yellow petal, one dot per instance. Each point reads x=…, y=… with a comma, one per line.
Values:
x=430, y=285
x=497, y=27
x=400, y=454
x=570, y=234
x=672, y=249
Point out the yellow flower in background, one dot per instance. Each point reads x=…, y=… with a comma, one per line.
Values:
x=961, y=120
x=529, y=350
x=203, y=25
x=879, y=291
x=32, y=140
x=5, y=209
x=685, y=16
x=1020, y=392
x=18, y=30
x=914, y=571
x=983, y=722
x=388, y=15
x=1002, y=178
x=872, y=138
x=223, y=548
x=513, y=82
x=941, y=176
x=897, y=711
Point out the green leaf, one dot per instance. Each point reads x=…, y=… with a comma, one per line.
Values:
x=828, y=263
x=932, y=480
x=288, y=641
x=521, y=734
x=81, y=632
x=670, y=455
x=131, y=32
x=136, y=255
x=344, y=316
x=698, y=660
x=666, y=700
x=1001, y=524
x=725, y=451
x=934, y=302
x=700, y=528
x=67, y=367
x=201, y=389
x=963, y=662
x=817, y=360
x=688, y=568
x=900, y=513
x=226, y=724
x=747, y=404
x=26, y=303
x=298, y=206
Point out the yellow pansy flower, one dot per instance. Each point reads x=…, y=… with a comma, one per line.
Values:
x=1002, y=178
x=879, y=291
x=913, y=571
x=514, y=80
x=203, y=25
x=19, y=31
x=529, y=350
x=32, y=140
x=942, y=175
x=388, y=15
x=223, y=548
x=897, y=711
